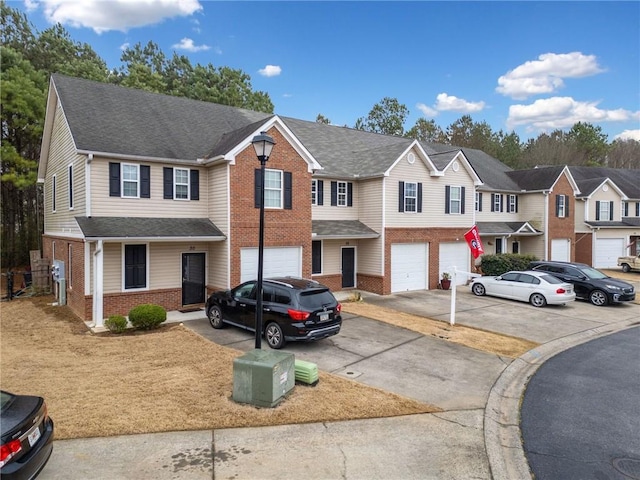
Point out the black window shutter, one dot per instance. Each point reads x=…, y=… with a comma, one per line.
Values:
x=462, y=200
x=419, y=197
x=167, y=177
x=611, y=210
x=334, y=194
x=320, y=192
x=501, y=203
x=516, y=204
x=637, y=209
x=566, y=205
x=401, y=197
x=597, y=211
x=349, y=194
x=195, y=184
x=145, y=181
x=114, y=179
x=257, y=183
x=626, y=209
x=288, y=189
x=558, y=205
x=493, y=202
x=447, y=196
x=480, y=201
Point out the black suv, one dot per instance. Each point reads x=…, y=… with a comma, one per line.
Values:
x=294, y=309
x=589, y=283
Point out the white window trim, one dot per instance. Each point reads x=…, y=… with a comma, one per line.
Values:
x=175, y=183
x=477, y=202
x=497, y=202
x=562, y=208
x=53, y=194
x=280, y=190
x=604, y=209
x=453, y=201
x=342, y=197
x=122, y=180
x=314, y=192
x=512, y=203
x=123, y=266
x=415, y=197
x=70, y=185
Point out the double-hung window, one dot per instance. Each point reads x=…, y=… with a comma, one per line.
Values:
x=604, y=211
x=512, y=207
x=497, y=203
x=410, y=197
x=314, y=192
x=273, y=188
x=181, y=181
x=561, y=206
x=455, y=200
x=342, y=194
x=478, y=205
x=130, y=180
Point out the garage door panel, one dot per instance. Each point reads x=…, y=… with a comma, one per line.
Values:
x=408, y=267
x=560, y=251
x=607, y=251
x=455, y=254
x=280, y=261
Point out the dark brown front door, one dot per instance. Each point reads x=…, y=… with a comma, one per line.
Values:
x=193, y=278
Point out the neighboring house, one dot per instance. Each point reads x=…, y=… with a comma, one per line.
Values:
x=607, y=214
x=153, y=198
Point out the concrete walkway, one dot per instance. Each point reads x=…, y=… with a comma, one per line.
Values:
x=477, y=436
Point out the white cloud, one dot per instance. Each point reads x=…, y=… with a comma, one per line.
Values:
x=629, y=135
x=563, y=112
x=188, y=45
x=449, y=103
x=30, y=5
x=124, y=46
x=546, y=74
x=270, y=71
x=103, y=16
x=426, y=110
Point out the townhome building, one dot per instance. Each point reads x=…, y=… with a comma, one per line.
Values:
x=155, y=199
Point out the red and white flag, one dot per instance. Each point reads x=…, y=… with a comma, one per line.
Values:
x=473, y=239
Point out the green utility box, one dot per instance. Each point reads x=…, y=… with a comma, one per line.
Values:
x=263, y=377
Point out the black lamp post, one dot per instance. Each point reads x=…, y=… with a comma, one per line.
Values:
x=263, y=144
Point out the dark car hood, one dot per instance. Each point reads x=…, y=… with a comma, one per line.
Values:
x=601, y=282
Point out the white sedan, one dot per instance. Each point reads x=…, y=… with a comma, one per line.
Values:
x=537, y=288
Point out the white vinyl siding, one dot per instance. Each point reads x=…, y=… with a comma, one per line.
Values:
x=328, y=212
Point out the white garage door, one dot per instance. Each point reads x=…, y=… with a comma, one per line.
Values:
x=409, y=266
x=607, y=252
x=279, y=261
x=560, y=249
x=455, y=255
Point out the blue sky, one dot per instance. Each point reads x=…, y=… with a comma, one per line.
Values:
x=524, y=66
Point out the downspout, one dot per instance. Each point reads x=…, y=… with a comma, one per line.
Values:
x=98, y=286
x=87, y=185
x=546, y=225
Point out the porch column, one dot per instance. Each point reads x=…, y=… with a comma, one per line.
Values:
x=98, y=285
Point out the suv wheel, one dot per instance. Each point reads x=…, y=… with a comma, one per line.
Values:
x=598, y=298
x=215, y=316
x=273, y=334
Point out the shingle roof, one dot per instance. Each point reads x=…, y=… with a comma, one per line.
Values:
x=342, y=229
x=535, y=179
x=141, y=227
x=109, y=118
x=506, y=228
x=589, y=178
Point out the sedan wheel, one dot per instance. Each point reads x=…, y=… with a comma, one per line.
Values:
x=598, y=298
x=215, y=316
x=538, y=300
x=274, y=335
x=478, y=289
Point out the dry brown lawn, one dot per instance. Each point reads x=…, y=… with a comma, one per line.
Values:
x=168, y=379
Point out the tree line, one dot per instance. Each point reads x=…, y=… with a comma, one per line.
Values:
x=29, y=57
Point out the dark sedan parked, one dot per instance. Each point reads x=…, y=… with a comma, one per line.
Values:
x=294, y=309
x=590, y=284
x=27, y=436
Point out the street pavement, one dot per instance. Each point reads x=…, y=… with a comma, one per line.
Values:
x=476, y=436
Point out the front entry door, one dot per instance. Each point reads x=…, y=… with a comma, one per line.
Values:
x=193, y=278
x=348, y=267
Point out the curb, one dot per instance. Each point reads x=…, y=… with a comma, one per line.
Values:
x=502, y=435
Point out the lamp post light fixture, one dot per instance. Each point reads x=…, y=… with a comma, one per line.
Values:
x=263, y=144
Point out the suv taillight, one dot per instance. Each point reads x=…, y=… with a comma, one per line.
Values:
x=297, y=314
x=338, y=307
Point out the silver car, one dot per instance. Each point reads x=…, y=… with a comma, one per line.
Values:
x=537, y=288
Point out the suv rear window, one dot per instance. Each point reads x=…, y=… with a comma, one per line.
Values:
x=314, y=299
